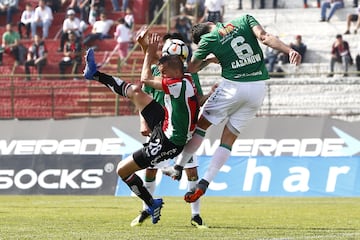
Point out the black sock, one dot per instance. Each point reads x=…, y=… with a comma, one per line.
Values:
x=203, y=184
x=136, y=185
x=114, y=83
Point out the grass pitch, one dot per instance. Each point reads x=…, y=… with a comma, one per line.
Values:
x=107, y=217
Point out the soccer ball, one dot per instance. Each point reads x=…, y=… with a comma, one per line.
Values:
x=175, y=47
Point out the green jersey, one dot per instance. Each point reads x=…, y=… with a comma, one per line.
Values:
x=158, y=95
x=180, y=104
x=237, y=49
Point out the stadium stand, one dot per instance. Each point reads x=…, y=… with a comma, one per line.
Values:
x=54, y=98
x=290, y=95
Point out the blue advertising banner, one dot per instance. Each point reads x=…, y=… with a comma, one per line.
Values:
x=274, y=156
x=272, y=176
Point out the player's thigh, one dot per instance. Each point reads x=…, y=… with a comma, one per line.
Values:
x=231, y=97
x=253, y=97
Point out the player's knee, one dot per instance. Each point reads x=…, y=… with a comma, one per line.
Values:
x=134, y=91
x=137, y=89
x=120, y=170
x=192, y=174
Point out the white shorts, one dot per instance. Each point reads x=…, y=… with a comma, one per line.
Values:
x=236, y=101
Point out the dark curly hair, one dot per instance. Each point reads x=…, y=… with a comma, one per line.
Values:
x=172, y=61
x=198, y=30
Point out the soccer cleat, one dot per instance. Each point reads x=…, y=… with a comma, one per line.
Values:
x=195, y=194
x=197, y=222
x=140, y=219
x=175, y=172
x=155, y=210
x=90, y=68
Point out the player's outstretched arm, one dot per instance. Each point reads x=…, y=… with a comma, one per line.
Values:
x=274, y=42
x=146, y=74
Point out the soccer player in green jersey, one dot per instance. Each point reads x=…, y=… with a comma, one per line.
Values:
x=239, y=95
x=169, y=131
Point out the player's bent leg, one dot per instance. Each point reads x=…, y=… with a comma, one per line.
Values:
x=150, y=185
x=90, y=67
x=127, y=167
x=192, y=177
x=195, y=194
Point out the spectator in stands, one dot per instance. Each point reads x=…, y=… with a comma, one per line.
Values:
x=11, y=44
x=298, y=46
x=177, y=5
x=123, y=36
x=129, y=19
x=240, y=5
x=55, y=5
x=340, y=53
x=271, y=58
x=8, y=7
x=72, y=54
x=36, y=57
x=334, y=5
x=214, y=11
x=100, y=30
x=262, y=4
x=189, y=6
x=125, y=5
x=155, y=5
x=43, y=17
x=353, y=17
x=26, y=19
x=116, y=5
x=275, y=5
x=306, y=4
x=195, y=8
x=82, y=7
x=183, y=25
x=70, y=24
x=96, y=8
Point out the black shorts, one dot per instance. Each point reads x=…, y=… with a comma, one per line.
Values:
x=354, y=17
x=157, y=149
x=153, y=114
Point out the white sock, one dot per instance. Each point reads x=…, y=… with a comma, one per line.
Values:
x=191, y=147
x=150, y=186
x=219, y=158
x=195, y=206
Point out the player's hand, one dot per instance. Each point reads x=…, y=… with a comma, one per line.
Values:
x=294, y=57
x=153, y=44
x=142, y=37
